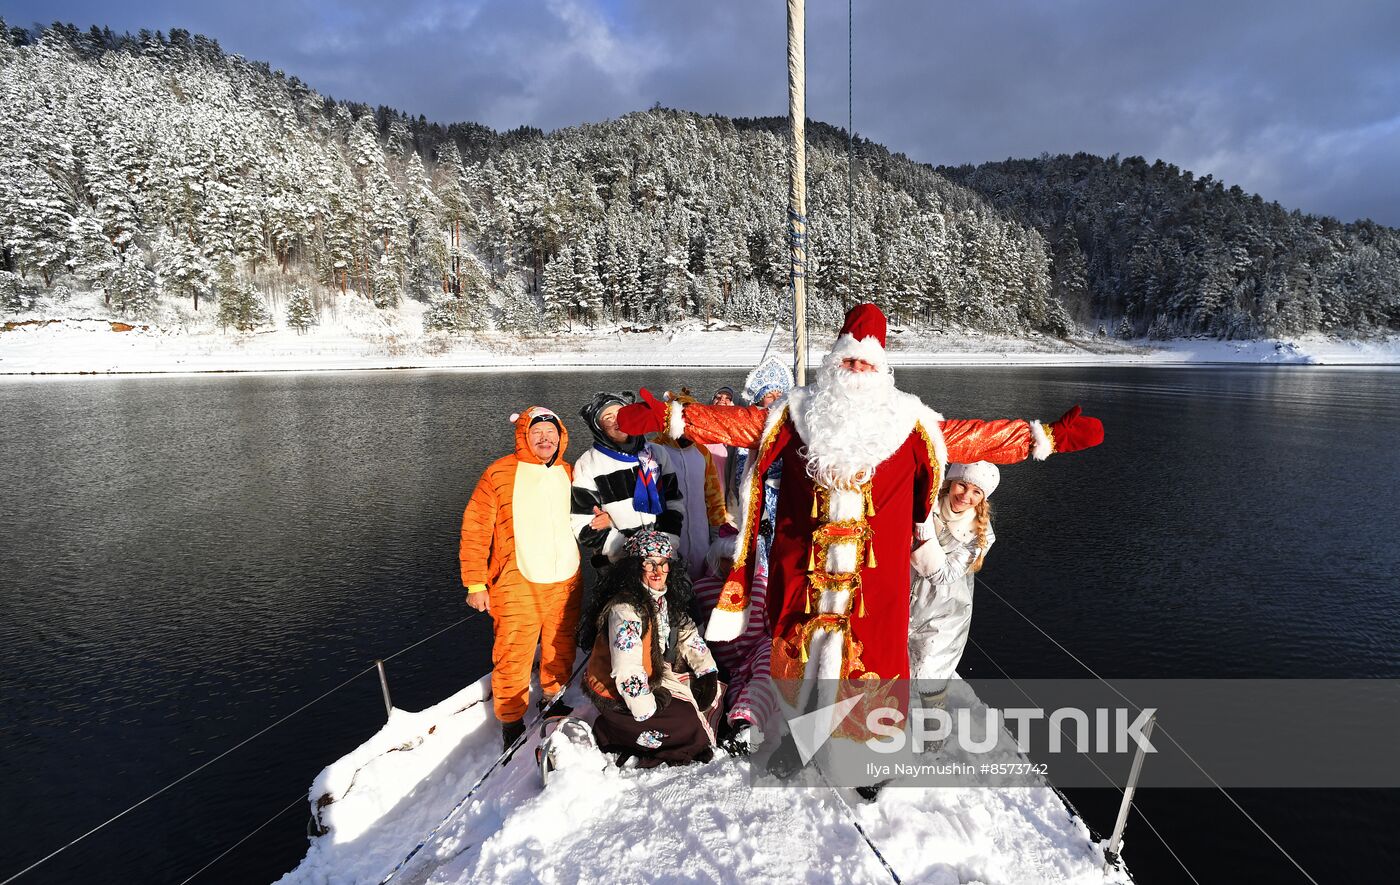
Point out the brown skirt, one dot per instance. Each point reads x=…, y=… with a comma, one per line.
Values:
x=673, y=736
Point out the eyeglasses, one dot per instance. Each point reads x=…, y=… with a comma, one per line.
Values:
x=655, y=565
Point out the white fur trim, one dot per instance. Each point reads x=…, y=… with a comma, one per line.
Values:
x=721, y=548
x=846, y=504
x=514, y=416
x=932, y=423
x=726, y=626
x=824, y=655
x=867, y=349
x=926, y=530
x=675, y=419
x=834, y=602
x=1041, y=447
x=841, y=558
x=928, y=558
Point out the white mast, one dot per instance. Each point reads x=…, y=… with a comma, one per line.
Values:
x=797, y=185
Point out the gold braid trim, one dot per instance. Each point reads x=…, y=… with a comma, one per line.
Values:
x=935, y=463
x=732, y=598
x=1049, y=434
x=875, y=694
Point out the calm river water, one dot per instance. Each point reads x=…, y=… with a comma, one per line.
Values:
x=187, y=560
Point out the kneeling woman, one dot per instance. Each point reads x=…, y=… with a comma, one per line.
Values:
x=651, y=675
x=959, y=533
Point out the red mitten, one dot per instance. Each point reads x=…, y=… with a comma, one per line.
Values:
x=639, y=419
x=1075, y=431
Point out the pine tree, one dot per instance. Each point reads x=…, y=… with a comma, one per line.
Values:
x=301, y=312
x=181, y=268
x=241, y=308
x=34, y=219
x=132, y=285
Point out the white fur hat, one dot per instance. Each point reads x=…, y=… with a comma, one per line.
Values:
x=982, y=474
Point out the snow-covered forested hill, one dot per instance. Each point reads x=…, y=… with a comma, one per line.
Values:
x=1167, y=254
x=199, y=191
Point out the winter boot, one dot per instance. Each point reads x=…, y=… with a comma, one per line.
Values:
x=559, y=709
x=742, y=738
x=934, y=700
x=871, y=792
x=786, y=760
x=511, y=732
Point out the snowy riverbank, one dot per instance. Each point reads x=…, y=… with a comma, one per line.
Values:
x=356, y=336
x=693, y=824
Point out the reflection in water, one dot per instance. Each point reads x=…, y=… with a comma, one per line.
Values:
x=188, y=559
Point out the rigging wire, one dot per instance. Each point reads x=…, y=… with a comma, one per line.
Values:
x=293, y=804
x=52, y=854
x=1096, y=765
x=505, y=756
x=850, y=812
x=1160, y=728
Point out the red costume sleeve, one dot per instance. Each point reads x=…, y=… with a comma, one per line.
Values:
x=724, y=425
x=1003, y=441
x=927, y=476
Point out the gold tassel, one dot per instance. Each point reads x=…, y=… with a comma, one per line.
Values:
x=812, y=558
x=804, y=650
x=870, y=555
x=814, y=504
x=807, y=608
x=861, y=591
x=869, y=503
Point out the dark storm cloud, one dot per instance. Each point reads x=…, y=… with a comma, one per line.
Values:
x=1297, y=101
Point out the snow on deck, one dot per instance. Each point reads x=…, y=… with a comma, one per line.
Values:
x=698, y=823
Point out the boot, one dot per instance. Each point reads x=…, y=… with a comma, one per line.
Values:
x=871, y=792
x=511, y=732
x=559, y=708
x=786, y=760
x=742, y=738
x=935, y=700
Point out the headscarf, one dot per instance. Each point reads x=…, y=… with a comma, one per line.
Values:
x=648, y=543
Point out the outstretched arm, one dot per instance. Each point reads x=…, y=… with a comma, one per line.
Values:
x=727, y=425
x=1007, y=441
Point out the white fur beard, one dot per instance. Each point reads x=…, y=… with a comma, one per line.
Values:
x=849, y=423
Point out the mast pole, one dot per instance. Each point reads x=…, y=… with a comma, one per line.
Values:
x=797, y=182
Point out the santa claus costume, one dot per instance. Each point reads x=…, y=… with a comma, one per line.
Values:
x=862, y=465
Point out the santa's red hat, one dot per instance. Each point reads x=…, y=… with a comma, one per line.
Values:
x=862, y=336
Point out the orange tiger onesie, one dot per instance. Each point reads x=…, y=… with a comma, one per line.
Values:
x=517, y=544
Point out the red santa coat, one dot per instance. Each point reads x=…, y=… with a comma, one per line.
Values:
x=839, y=567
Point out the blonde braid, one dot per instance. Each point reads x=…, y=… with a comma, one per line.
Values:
x=982, y=524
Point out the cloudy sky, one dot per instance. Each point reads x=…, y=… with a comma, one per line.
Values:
x=1297, y=100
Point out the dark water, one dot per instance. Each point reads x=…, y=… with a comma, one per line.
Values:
x=184, y=561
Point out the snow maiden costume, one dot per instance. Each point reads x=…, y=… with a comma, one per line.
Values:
x=945, y=567
x=651, y=675
x=862, y=465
